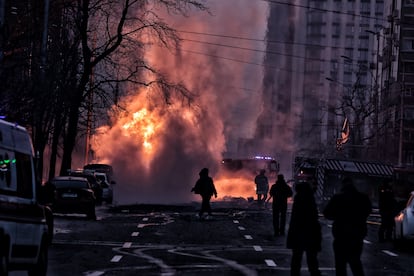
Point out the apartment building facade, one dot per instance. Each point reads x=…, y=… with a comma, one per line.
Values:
x=329, y=73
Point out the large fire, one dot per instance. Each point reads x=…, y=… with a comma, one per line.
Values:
x=156, y=150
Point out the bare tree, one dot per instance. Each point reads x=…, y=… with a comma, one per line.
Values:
x=108, y=31
x=360, y=105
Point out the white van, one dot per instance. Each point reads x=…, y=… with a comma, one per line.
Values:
x=25, y=224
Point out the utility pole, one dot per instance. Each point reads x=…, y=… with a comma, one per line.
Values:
x=400, y=140
x=376, y=90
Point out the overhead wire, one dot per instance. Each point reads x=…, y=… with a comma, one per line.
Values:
x=266, y=40
x=273, y=41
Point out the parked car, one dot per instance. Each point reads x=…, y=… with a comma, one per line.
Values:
x=73, y=195
x=26, y=225
x=107, y=190
x=96, y=187
x=404, y=221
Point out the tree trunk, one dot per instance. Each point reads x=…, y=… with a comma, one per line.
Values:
x=70, y=139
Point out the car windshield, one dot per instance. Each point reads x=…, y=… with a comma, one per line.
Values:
x=71, y=184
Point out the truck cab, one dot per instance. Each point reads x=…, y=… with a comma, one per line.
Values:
x=26, y=226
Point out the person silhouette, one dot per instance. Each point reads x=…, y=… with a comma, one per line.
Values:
x=206, y=189
x=387, y=209
x=304, y=234
x=262, y=186
x=280, y=192
x=349, y=210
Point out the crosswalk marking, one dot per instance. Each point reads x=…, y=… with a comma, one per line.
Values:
x=145, y=219
x=241, y=228
x=141, y=225
x=135, y=234
x=127, y=245
x=235, y=221
x=248, y=237
x=257, y=248
x=116, y=258
x=270, y=263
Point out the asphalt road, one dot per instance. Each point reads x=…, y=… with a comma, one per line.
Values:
x=171, y=240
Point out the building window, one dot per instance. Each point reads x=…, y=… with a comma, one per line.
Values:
x=409, y=113
x=407, y=45
x=409, y=3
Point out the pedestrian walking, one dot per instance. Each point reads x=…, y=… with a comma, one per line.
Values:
x=262, y=186
x=349, y=210
x=387, y=209
x=280, y=192
x=304, y=234
x=206, y=189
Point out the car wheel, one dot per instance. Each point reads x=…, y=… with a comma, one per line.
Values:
x=40, y=268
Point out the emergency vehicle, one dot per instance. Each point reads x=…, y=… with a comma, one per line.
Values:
x=26, y=226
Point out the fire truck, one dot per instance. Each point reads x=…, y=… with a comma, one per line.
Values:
x=253, y=164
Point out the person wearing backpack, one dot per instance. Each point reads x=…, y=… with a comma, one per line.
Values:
x=206, y=189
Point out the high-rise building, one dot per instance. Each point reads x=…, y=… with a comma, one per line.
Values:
x=397, y=86
x=322, y=58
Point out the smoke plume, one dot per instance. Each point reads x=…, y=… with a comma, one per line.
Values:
x=156, y=150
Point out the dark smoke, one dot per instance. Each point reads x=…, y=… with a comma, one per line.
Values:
x=187, y=139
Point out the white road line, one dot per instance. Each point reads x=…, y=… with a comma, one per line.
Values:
x=95, y=273
x=241, y=228
x=248, y=237
x=392, y=254
x=145, y=219
x=367, y=242
x=270, y=262
x=141, y=225
x=135, y=234
x=235, y=221
x=116, y=258
x=127, y=245
x=257, y=248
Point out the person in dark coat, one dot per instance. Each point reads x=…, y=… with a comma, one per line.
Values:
x=262, y=186
x=349, y=210
x=387, y=209
x=280, y=192
x=206, y=189
x=304, y=234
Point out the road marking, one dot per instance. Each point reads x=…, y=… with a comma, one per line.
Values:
x=257, y=248
x=95, y=273
x=145, y=219
x=135, y=234
x=241, y=228
x=141, y=225
x=235, y=221
x=116, y=258
x=248, y=237
x=127, y=245
x=270, y=263
x=390, y=253
x=367, y=242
